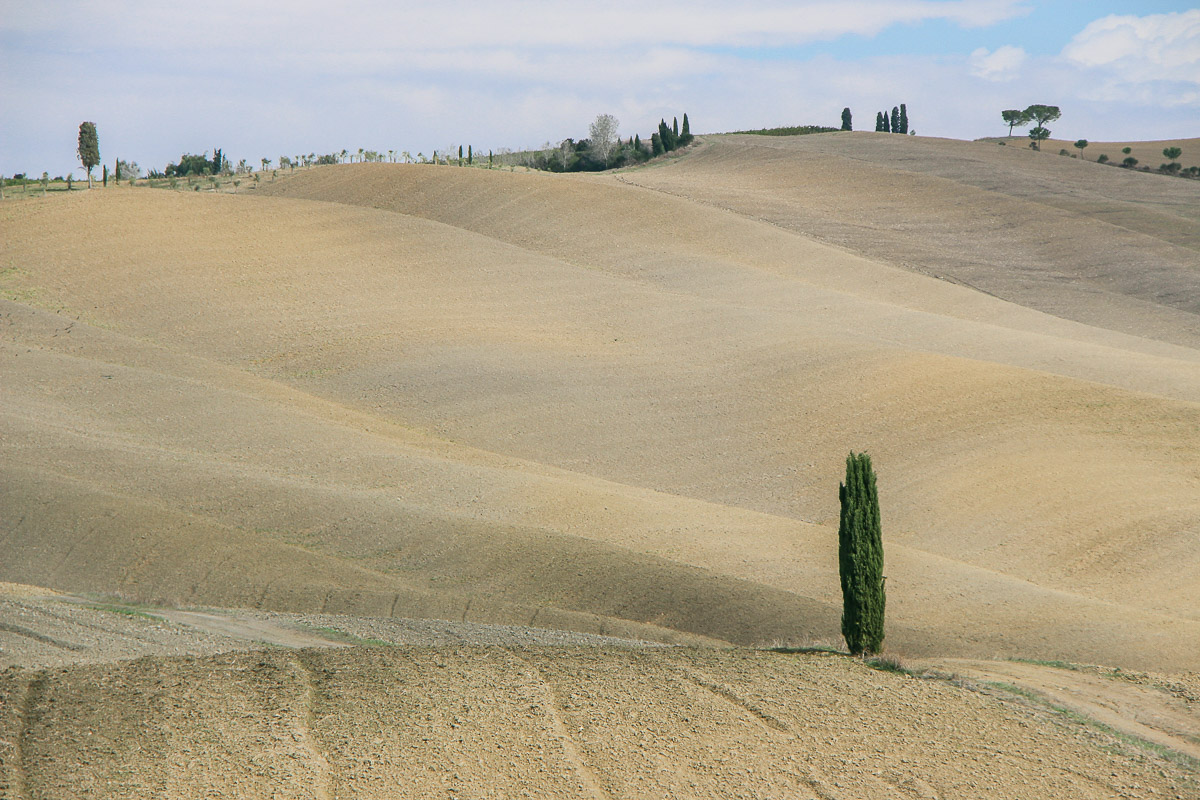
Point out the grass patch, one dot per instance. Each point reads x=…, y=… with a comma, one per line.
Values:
x=793, y=130
x=334, y=634
x=1074, y=717
x=124, y=610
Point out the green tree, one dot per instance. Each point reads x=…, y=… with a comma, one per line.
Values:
x=1126, y=150
x=1082, y=143
x=880, y=122
x=685, y=135
x=1014, y=117
x=1041, y=114
x=1129, y=162
x=846, y=120
x=895, y=119
x=903, y=119
x=1037, y=136
x=1172, y=153
x=89, y=148
x=860, y=558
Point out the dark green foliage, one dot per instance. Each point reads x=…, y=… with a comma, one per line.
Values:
x=117, y=176
x=1037, y=136
x=685, y=136
x=89, y=147
x=1129, y=162
x=1126, y=150
x=794, y=130
x=1079, y=145
x=887, y=122
x=1101, y=159
x=860, y=558
x=470, y=155
x=1013, y=117
x=218, y=162
x=190, y=164
x=879, y=121
x=1172, y=153
x=895, y=119
x=847, y=120
x=903, y=119
x=106, y=174
x=675, y=128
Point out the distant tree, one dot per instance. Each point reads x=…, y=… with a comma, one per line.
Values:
x=1126, y=150
x=1079, y=145
x=470, y=155
x=1102, y=159
x=895, y=119
x=846, y=120
x=89, y=148
x=218, y=161
x=45, y=183
x=675, y=129
x=1172, y=153
x=1037, y=136
x=879, y=123
x=105, y=174
x=860, y=558
x=266, y=164
x=685, y=135
x=665, y=136
x=1014, y=117
x=603, y=133
x=903, y=119
x=1129, y=162
x=1041, y=114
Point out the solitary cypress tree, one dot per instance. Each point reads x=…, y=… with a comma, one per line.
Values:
x=89, y=148
x=903, y=119
x=860, y=557
x=895, y=119
x=846, y=119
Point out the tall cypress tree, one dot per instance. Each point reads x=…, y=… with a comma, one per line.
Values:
x=675, y=128
x=860, y=558
x=895, y=119
x=685, y=135
x=846, y=120
x=878, y=121
x=903, y=119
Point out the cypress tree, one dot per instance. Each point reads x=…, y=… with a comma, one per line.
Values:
x=656, y=143
x=903, y=119
x=675, y=128
x=860, y=558
x=878, y=121
x=685, y=137
x=846, y=126
x=89, y=148
x=470, y=155
x=895, y=119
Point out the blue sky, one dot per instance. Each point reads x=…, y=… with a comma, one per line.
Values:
x=261, y=79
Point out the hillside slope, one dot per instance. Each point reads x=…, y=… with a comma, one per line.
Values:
x=570, y=401
x=543, y=722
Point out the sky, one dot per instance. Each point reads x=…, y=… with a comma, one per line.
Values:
x=264, y=79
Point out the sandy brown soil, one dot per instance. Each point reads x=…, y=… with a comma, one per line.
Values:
x=615, y=405
x=511, y=722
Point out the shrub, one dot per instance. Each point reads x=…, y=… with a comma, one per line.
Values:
x=1129, y=161
x=1101, y=159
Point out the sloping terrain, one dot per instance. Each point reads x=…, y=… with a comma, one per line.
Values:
x=479, y=722
x=572, y=401
x=613, y=405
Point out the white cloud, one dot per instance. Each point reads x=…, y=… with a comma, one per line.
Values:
x=384, y=24
x=1002, y=64
x=1155, y=58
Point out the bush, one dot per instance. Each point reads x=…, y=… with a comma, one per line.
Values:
x=1101, y=159
x=1129, y=162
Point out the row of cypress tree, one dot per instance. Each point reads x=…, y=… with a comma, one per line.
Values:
x=896, y=123
x=671, y=137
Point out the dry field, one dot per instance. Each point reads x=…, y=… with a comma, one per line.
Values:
x=614, y=405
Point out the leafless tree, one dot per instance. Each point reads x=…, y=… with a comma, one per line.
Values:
x=603, y=134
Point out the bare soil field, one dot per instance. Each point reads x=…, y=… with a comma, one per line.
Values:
x=616, y=405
